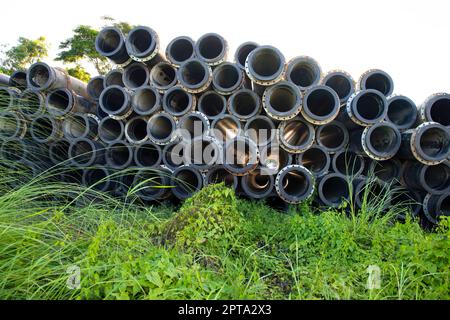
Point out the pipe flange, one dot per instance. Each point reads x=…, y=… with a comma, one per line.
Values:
x=348, y=109
x=252, y=163
x=414, y=149
x=296, y=149
x=367, y=150
x=366, y=75
x=292, y=115
x=344, y=74
x=280, y=176
x=152, y=55
x=424, y=116
x=265, y=83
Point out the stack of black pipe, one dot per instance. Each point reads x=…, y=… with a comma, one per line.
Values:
x=271, y=128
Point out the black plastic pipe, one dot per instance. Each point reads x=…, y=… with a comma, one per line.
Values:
x=61, y=102
x=18, y=79
x=244, y=104
x=241, y=155
x=4, y=80
x=333, y=136
x=226, y=128
x=296, y=135
x=12, y=125
x=432, y=179
x=211, y=48
x=161, y=128
x=58, y=151
x=46, y=129
x=304, y=72
x=194, y=75
x=258, y=184
x=192, y=125
x=80, y=125
x=282, y=101
x=316, y=159
x=97, y=178
x=348, y=163
x=110, y=43
x=218, y=174
x=180, y=50
x=85, y=153
x=242, y=52
x=177, y=102
x=146, y=101
x=227, y=78
x=402, y=112
x=153, y=184
x=320, y=105
x=261, y=130
x=436, y=108
x=114, y=78
x=294, y=184
x=435, y=206
x=9, y=98
x=136, y=130
x=142, y=45
x=31, y=103
x=119, y=155
x=273, y=158
x=148, y=154
x=116, y=102
x=333, y=190
x=388, y=171
x=212, y=104
x=135, y=76
x=341, y=82
x=377, y=80
x=203, y=152
x=173, y=154
x=163, y=76
x=95, y=87
x=408, y=200
x=111, y=130
x=13, y=149
x=185, y=181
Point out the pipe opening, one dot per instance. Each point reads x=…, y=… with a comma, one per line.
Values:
x=266, y=62
x=244, y=104
x=181, y=50
x=335, y=190
x=193, y=125
x=384, y=139
x=370, y=106
x=226, y=129
x=151, y=184
x=283, y=99
x=321, y=102
x=141, y=41
x=315, y=160
x=295, y=183
x=212, y=104
x=186, y=182
x=42, y=128
x=434, y=143
x=59, y=151
x=6, y=98
x=379, y=82
x=95, y=87
x=178, y=101
x=113, y=99
x=114, y=78
x=275, y=158
x=303, y=74
x=76, y=127
x=13, y=150
x=18, y=79
x=82, y=152
x=220, y=175
x=136, y=76
x=227, y=76
x=240, y=153
x=148, y=155
x=193, y=73
x=119, y=154
x=439, y=111
x=296, y=133
x=243, y=52
x=108, y=40
x=30, y=103
x=160, y=127
x=402, y=112
x=341, y=84
x=173, y=155
x=387, y=170
x=96, y=177
x=10, y=124
x=163, y=75
x=260, y=130
x=110, y=130
x=144, y=100
x=210, y=47
x=137, y=129
x=332, y=136
x=257, y=182
x=445, y=206
x=437, y=177
x=39, y=75
x=59, y=100
x=202, y=153
x=348, y=163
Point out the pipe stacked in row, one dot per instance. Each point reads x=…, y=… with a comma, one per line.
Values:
x=270, y=128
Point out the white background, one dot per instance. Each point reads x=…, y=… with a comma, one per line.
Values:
x=408, y=39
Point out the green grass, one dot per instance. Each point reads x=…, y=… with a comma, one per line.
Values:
x=212, y=247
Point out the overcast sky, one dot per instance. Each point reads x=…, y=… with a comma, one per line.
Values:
x=408, y=39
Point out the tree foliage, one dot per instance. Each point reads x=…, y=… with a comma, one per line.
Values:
x=25, y=53
x=79, y=73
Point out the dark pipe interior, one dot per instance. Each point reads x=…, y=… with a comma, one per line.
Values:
x=240, y=150
x=265, y=62
x=434, y=142
x=172, y=156
x=193, y=125
x=303, y=74
x=13, y=150
x=30, y=102
x=82, y=152
x=59, y=151
x=141, y=40
x=114, y=78
x=75, y=127
x=440, y=111
x=243, y=53
x=59, y=100
x=378, y=82
x=296, y=133
x=340, y=84
x=120, y=154
x=198, y=154
x=137, y=129
x=187, y=182
x=110, y=129
x=226, y=129
x=226, y=76
x=401, y=112
x=335, y=189
x=148, y=155
x=370, y=106
x=386, y=170
x=445, y=206
x=295, y=183
x=144, y=100
x=8, y=124
x=113, y=99
x=438, y=177
x=348, y=163
x=18, y=79
x=384, y=139
x=193, y=72
x=178, y=101
x=5, y=98
x=244, y=103
x=160, y=127
x=315, y=160
x=331, y=136
x=221, y=175
x=95, y=87
x=39, y=75
x=260, y=130
x=283, y=99
x=181, y=50
x=321, y=102
x=210, y=47
x=93, y=177
x=108, y=40
x=136, y=76
x=152, y=182
x=212, y=104
x=42, y=128
x=258, y=182
x=163, y=74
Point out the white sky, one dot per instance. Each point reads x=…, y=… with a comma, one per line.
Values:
x=408, y=39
